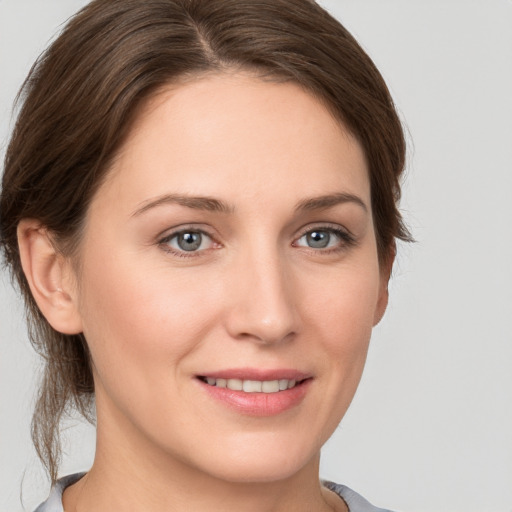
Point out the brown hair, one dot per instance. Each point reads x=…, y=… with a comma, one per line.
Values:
x=83, y=92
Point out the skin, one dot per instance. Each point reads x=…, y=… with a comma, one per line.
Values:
x=254, y=295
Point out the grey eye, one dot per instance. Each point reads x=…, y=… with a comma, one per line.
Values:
x=324, y=238
x=318, y=239
x=189, y=241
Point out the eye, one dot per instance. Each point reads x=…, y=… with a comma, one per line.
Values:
x=324, y=238
x=187, y=241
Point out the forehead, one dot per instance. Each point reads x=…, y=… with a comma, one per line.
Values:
x=234, y=134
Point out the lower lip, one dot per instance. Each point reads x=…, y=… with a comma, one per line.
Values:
x=259, y=404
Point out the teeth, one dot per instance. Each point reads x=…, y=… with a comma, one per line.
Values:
x=270, y=386
x=252, y=386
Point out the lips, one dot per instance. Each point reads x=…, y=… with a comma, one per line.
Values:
x=257, y=392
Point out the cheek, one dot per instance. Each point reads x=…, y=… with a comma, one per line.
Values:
x=342, y=313
x=338, y=311
x=344, y=305
x=140, y=321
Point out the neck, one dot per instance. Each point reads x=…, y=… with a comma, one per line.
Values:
x=100, y=490
x=121, y=480
x=132, y=473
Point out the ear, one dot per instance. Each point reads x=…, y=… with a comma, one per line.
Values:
x=49, y=276
x=385, y=273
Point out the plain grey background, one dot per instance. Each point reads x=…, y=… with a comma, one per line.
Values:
x=430, y=428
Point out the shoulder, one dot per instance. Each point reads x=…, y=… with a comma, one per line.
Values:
x=354, y=501
x=54, y=501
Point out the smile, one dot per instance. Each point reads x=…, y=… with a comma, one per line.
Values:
x=252, y=386
x=256, y=391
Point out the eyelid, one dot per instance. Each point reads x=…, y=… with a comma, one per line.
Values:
x=346, y=237
x=183, y=228
x=325, y=226
x=167, y=235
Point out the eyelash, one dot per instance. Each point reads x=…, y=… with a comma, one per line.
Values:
x=164, y=242
x=346, y=240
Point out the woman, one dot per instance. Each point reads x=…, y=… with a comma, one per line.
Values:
x=200, y=206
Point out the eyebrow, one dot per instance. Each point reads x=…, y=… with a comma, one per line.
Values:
x=209, y=204
x=328, y=201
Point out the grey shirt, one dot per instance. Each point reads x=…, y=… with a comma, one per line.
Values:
x=354, y=501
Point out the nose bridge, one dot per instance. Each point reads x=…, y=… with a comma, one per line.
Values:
x=263, y=306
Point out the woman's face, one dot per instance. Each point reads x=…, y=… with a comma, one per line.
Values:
x=231, y=246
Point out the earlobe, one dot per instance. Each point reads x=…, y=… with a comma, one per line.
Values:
x=49, y=276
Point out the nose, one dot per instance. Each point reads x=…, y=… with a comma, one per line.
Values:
x=263, y=305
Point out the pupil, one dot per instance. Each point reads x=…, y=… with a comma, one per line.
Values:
x=318, y=239
x=189, y=241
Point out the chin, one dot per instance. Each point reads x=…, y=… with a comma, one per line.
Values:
x=259, y=461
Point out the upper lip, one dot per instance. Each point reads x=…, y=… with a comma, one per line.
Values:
x=257, y=374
